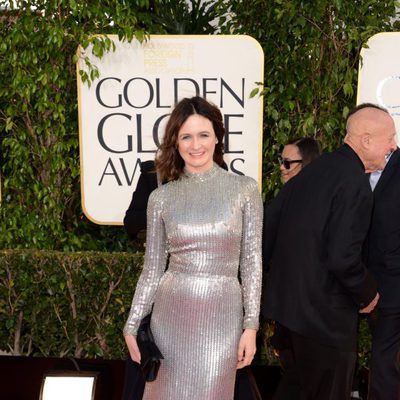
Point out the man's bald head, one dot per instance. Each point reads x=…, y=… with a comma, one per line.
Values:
x=362, y=115
x=371, y=134
x=362, y=106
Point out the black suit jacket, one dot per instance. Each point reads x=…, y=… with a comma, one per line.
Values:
x=313, y=236
x=135, y=216
x=383, y=244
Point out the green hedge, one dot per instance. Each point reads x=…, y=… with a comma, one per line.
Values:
x=59, y=304
x=39, y=141
x=65, y=304
x=310, y=81
x=312, y=52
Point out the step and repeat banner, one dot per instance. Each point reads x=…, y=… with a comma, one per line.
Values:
x=122, y=114
x=379, y=74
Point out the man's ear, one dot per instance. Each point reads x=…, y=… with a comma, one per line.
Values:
x=366, y=140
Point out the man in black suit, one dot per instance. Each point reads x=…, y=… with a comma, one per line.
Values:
x=313, y=236
x=383, y=260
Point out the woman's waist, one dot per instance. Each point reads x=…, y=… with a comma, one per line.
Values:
x=199, y=287
x=204, y=271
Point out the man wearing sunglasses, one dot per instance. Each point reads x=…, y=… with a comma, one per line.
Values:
x=313, y=235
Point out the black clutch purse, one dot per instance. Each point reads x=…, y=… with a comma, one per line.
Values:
x=150, y=355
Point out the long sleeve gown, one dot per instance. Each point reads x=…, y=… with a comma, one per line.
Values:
x=210, y=225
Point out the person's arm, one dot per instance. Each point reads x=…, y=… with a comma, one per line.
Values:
x=135, y=216
x=346, y=232
x=272, y=216
x=250, y=270
x=154, y=265
x=250, y=254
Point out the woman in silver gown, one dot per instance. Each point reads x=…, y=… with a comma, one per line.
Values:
x=209, y=223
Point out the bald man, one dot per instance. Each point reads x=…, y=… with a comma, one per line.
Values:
x=313, y=234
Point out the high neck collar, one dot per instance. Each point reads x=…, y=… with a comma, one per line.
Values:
x=201, y=176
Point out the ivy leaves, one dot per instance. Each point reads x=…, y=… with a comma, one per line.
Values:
x=311, y=59
x=311, y=66
x=38, y=117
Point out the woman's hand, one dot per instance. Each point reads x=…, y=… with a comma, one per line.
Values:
x=247, y=348
x=133, y=348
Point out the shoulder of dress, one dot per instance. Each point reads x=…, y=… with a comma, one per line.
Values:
x=247, y=182
x=245, y=185
x=167, y=188
x=158, y=193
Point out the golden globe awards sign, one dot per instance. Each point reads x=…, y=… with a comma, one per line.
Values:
x=122, y=114
x=379, y=74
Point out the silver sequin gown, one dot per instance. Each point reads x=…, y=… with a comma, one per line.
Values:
x=210, y=224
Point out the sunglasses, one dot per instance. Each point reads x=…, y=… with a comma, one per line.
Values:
x=287, y=163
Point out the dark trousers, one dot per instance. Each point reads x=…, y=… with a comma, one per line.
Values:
x=384, y=379
x=133, y=381
x=289, y=385
x=245, y=385
x=313, y=371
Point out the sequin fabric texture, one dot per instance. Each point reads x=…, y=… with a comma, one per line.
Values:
x=209, y=224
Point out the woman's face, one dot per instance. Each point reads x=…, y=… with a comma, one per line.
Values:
x=196, y=143
x=291, y=158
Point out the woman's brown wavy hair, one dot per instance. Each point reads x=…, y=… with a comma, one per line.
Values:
x=169, y=163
